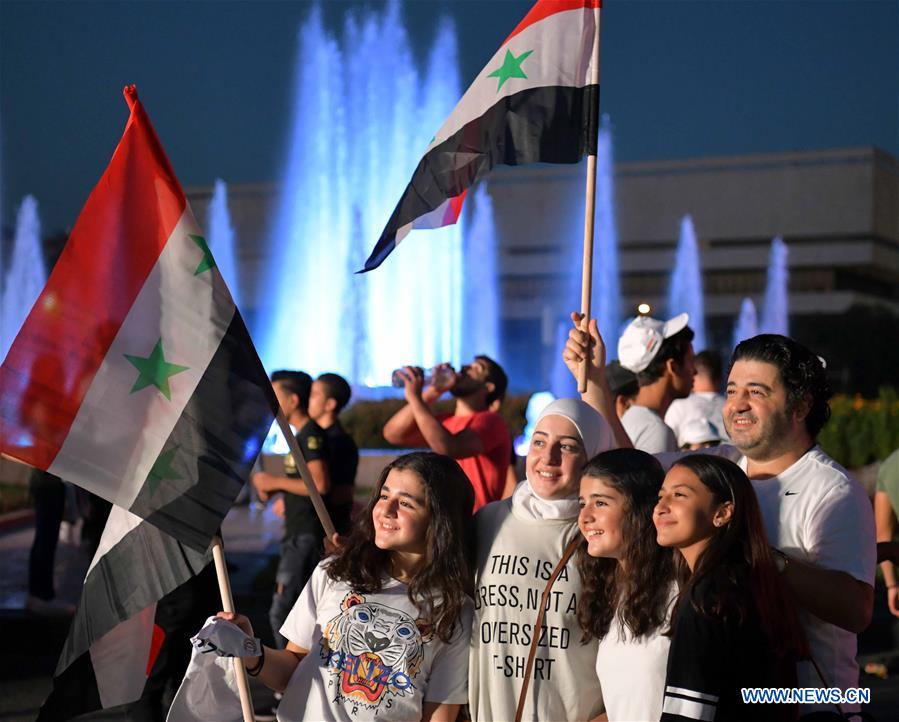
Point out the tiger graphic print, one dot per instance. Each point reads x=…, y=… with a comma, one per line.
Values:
x=373, y=653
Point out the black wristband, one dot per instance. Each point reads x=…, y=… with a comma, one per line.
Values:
x=254, y=672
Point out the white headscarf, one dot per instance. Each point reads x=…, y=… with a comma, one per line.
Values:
x=596, y=436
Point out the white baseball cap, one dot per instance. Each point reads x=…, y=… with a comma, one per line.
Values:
x=699, y=431
x=643, y=338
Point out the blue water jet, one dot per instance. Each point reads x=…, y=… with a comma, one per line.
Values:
x=747, y=324
x=775, y=312
x=685, y=292
x=482, y=302
x=606, y=299
x=26, y=276
x=362, y=117
x=221, y=238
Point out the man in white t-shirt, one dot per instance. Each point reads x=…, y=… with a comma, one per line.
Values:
x=816, y=515
x=660, y=353
x=705, y=403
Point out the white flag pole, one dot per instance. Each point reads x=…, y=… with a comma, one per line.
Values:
x=240, y=672
x=589, y=212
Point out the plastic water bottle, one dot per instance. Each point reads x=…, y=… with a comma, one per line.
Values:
x=440, y=376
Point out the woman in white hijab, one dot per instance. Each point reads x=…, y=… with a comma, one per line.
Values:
x=519, y=542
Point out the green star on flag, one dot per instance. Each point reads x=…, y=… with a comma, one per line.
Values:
x=163, y=469
x=511, y=68
x=154, y=371
x=208, y=261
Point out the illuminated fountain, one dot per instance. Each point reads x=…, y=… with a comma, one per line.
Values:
x=747, y=324
x=363, y=117
x=482, y=303
x=775, y=312
x=605, y=301
x=685, y=290
x=221, y=238
x=26, y=275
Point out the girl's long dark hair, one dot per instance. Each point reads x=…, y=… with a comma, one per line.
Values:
x=439, y=587
x=639, y=588
x=738, y=559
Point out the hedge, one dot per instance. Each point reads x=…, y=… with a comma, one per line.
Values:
x=861, y=431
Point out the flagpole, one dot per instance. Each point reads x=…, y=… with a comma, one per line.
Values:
x=590, y=208
x=300, y=461
x=240, y=672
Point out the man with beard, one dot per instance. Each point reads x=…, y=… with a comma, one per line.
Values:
x=818, y=519
x=473, y=435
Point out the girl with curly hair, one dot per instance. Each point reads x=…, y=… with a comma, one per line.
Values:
x=381, y=630
x=628, y=582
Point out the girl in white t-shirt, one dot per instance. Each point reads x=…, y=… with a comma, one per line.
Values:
x=628, y=582
x=381, y=630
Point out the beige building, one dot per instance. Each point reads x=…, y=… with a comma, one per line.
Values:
x=837, y=211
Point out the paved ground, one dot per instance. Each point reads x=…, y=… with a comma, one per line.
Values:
x=31, y=645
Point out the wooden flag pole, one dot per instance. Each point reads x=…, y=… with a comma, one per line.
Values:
x=589, y=212
x=240, y=672
x=300, y=461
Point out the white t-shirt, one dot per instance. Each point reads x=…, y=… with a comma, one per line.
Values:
x=701, y=405
x=647, y=431
x=369, y=658
x=815, y=512
x=516, y=554
x=632, y=671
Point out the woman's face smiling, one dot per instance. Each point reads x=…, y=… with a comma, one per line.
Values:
x=555, y=458
x=602, y=511
x=686, y=514
x=400, y=516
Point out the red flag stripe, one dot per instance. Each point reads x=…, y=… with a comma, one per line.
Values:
x=455, y=208
x=116, y=242
x=544, y=8
x=155, y=646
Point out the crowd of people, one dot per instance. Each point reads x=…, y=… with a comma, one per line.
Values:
x=669, y=547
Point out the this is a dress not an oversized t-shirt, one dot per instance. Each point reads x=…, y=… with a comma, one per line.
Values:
x=515, y=557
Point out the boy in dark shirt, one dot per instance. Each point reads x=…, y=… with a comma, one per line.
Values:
x=301, y=548
x=330, y=395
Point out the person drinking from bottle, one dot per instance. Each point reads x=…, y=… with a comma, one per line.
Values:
x=473, y=435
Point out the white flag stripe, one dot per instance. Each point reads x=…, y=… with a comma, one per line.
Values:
x=691, y=693
x=117, y=435
x=564, y=36
x=688, y=708
x=119, y=523
x=120, y=657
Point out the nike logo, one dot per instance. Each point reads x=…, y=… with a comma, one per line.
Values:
x=790, y=493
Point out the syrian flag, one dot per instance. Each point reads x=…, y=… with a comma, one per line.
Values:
x=114, y=639
x=534, y=102
x=134, y=376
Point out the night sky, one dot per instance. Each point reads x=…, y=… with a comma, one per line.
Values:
x=679, y=79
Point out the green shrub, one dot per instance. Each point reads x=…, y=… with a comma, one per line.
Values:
x=13, y=497
x=861, y=431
